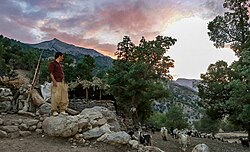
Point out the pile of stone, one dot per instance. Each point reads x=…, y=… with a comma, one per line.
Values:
x=80, y=104
x=6, y=98
x=12, y=128
x=97, y=123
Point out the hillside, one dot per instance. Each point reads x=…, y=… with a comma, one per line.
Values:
x=57, y=45
x=183, y=96
x=49, y=47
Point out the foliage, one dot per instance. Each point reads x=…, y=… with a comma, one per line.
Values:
x=137, y=70
x=206, y=124
x=233, y=27
x=213, y=90
x=84, y=69
x=157, y=119
x=228, y=95
x=228, y=126
x=173, y=118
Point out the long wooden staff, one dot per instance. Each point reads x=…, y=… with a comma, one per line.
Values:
x=26, y=104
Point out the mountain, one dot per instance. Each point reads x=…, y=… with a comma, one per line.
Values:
x=57, y=45
x=190, y=83
x=183, y=95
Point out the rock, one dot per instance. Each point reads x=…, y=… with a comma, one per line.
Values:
x=32, y=128
x=3, y=134
x=44, y=109
x=24, y=133
x=14, y=134
x=1, y=121
x=5, y=106
x=118, y=137
x=105, y=113
x=152, y=149
x=93, y=133
x=9, y=129
x=134, y=144
x=103, y=137
x=101, y=121
x=23, y=126
x=30, y=122
x=39, y=131
x=91, y=113
x=65, y=126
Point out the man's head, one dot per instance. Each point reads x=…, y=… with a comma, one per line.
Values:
x=59, y=56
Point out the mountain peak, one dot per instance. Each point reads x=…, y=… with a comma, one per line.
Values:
x=58, y=45
x=190, y=83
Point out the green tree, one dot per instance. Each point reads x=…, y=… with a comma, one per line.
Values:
x=233, y=27
x=84, y=69
x=69, y=68
x=239, y=100
x=206, y=124
x=213, y=90
x=175, y=118
x=230, y=98
x=136, y=71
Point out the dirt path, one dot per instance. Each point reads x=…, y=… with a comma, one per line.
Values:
x=215, y=146
x=37, y=143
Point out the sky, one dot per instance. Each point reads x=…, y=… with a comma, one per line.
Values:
x=102, y=24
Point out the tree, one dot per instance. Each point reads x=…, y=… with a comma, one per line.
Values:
x=213, y=90
x=136, y=71
x=233, y=27
x=175, y=118
x=239, y=100
x=84, y=69
x=228, y=95
x=206, y=124
x=69, y=68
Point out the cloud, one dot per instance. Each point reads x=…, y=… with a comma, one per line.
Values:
x=99, y=24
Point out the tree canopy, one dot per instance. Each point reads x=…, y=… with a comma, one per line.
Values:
x=233, y=27
x=139, y=73
x=224, y=89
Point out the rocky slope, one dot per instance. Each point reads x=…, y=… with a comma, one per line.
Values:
x=183, y=95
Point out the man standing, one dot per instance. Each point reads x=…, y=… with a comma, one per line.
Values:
x=59, y=90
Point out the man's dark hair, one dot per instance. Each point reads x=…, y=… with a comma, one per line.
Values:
x=58, y=54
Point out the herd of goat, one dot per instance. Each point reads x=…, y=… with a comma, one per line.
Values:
x=183, y=136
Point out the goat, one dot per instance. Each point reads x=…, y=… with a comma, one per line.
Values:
x=201, y=148
x=145, y=139
x=164, y=133
x=244, y=142
x=132, y=135
x=183, y=139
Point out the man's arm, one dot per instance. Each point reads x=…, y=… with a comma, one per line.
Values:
x=53, y=80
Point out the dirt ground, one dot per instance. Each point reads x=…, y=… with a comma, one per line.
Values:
x=43, y=143
x=40, y=143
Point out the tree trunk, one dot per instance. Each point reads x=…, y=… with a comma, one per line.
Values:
x=87, y=94
x=248, y=134
x=100, y=95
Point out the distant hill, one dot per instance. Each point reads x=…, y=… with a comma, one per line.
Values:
x=57, y=45
x=102, y=62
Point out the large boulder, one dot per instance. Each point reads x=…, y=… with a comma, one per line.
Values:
x=99, y=112
x=120, y=137
x=64, y=126
x=93, y=122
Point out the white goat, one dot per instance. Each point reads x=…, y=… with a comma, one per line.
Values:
x=201, y=148
x=183, y=141
x=164, y=133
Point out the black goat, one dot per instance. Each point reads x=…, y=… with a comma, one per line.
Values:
x=145, y=139
x=244, y=142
